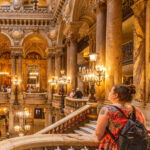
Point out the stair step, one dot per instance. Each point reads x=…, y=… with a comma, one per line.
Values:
x=80, y=132
x=91, y=126
x=93, y=122
x=87, y=130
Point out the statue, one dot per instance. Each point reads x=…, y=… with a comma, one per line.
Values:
x=17, y=4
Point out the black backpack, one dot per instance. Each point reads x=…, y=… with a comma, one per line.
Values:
x=133, y=136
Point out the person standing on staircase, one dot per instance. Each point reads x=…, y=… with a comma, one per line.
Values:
x=111, y=120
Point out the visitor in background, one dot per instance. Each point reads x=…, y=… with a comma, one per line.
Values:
x=113, y=119
x=72, y=93
x=78, y=94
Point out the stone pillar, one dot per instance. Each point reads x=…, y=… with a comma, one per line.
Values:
x=147, y=51
x=139, y=9
x=58, y=63
x=113, y=44
x=100, y=44
x=48, y=117
x=49, y=74
x=11, y=120
x=13, y=73
x=68, y=64
x=20, y=87
x=73, y=61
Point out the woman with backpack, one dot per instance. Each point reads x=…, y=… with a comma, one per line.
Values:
x=120, y=118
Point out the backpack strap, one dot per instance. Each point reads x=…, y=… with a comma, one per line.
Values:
x=121, y=111
x=111, y=134
x=133, y=113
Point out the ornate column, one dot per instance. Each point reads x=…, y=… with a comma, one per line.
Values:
x=11, y=120
x=49, y=71
x=20, y=74
x=147, y=51
x=13, y=73
x=113, y=44
x=73, y=60
x=139, y=9
x=100, y=43
x=58, y=64
x=68, y=64
x=48, y=116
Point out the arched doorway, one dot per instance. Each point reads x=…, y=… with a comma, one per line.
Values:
x=35, y=63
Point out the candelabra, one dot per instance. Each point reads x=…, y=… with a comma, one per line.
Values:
x=53, y=82
x=16, y=82
x=94, y=75
x=63, y=81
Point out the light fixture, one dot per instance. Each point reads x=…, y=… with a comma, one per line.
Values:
x=34, y=73
x=17, y=128
x=32, y=77
x=94, y=75
x=21, y=134
x=4, y=73
x=27, y=127
x=93, y=57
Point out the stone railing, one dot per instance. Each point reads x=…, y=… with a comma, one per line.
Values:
x=35, y=95
x=59, y=141
x=4, y=95
x=69, y=122
x=72, y=104
x=57, y=101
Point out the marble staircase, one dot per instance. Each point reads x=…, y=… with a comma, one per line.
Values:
x=88, y=128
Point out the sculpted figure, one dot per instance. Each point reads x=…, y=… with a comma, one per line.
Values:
x=17, y=4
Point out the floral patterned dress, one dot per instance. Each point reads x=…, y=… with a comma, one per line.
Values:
x=116, y=122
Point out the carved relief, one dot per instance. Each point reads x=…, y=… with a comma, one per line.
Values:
x=17, y=4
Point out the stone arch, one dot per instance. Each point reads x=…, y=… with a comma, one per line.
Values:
x=34, y=42
x=42, y=33
x=4, y=44
x=8, y=36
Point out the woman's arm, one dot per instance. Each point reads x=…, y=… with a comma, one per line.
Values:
x=102, y=123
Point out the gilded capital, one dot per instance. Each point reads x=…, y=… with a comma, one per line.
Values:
x=16, y=51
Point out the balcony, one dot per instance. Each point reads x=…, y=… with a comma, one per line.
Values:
x=72, y=104
x=35, y=98
x=4, y=97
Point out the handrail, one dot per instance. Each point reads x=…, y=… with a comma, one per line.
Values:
x=77, y=100
x=53, y=127
x=34, y=95
x=72, y=104
x=53, y=140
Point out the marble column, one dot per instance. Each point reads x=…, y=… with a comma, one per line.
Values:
x=13, y=73
x=48, y=117
x=113, y=44
x=49, y=75
x=11, y=120
x=139, y=9
x=100, y=44
x=73, y=61
x=20, y=87
x=68, y=64
x=147, y=51
x=58, y=63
